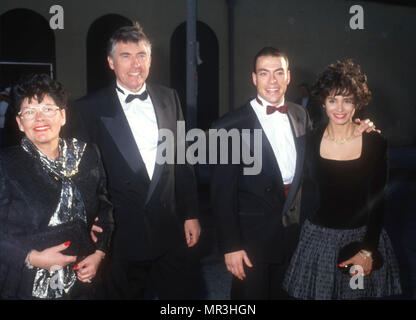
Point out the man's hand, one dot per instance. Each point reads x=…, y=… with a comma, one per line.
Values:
x=365, y=125
x=96, y=229
x=234, y=262
x=192, y=232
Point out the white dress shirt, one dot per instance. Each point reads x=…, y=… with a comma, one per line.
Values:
x=277, y=128
x=143, y=124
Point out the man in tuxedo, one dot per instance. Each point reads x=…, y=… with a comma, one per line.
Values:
x=258, y=216
x=155, y=204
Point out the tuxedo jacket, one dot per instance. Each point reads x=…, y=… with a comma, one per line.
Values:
x=28, y=198
x=149, y=213
x=252, y=211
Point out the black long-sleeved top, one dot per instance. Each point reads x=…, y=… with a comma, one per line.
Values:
x=28, y=198
x=347, y=194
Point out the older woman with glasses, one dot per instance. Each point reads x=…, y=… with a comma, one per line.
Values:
x=51, y=189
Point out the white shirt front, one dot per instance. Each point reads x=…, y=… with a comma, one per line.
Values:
x=277, y=128
x=142, y=120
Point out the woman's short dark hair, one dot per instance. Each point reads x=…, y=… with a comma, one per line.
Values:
x=36, y=86
x=343, y=78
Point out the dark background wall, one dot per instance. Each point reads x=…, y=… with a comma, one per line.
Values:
x=313, y=33
x=316, y=33
x=207, y=69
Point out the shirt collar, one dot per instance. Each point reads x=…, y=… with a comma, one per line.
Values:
x=123, y=95
x=127, y=92
x=266, y=103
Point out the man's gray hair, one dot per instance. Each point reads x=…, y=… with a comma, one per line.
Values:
x=127, y=34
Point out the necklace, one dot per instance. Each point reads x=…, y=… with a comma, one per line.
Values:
x=340, y=141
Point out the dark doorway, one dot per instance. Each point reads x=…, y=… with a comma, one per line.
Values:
x=25, y=37
x=99, y=75
x=208, y=68
x=207, y=112
x=27, y=45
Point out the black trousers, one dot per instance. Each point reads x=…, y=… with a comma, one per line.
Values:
x=263, y=282
x=170, y=277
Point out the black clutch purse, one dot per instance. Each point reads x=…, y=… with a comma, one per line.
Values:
x=75, y=231
x=351, y=250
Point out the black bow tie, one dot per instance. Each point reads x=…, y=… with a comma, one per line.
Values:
x=143, y=96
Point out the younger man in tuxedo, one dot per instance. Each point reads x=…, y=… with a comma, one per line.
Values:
x=258, y=215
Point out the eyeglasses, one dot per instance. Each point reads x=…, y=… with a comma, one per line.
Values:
x=48, y=110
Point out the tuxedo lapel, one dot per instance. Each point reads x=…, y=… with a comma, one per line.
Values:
x=298, y=132
x=118, y=127
x=159, y=106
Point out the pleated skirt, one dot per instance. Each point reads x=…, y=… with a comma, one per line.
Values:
x=313, y=273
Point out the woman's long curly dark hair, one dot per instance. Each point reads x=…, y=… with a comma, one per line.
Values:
x=343, y=78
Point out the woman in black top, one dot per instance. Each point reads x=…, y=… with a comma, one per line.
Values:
x=343, y=251
x=51, y=189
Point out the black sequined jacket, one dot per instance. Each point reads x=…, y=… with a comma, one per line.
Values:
x=28, y=198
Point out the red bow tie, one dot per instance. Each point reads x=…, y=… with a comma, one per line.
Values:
x=271, y=109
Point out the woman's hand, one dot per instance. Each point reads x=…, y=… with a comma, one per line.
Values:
x=88, y=267
x=366, y=125
x=50, y=257
x=365, y=262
